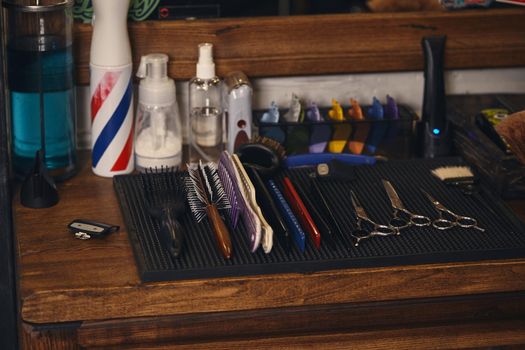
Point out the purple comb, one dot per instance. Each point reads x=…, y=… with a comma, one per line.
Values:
x=232, y=191
x=251, y=222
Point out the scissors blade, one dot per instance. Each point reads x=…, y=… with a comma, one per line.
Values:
x=359, y=210
x=434, y=201
x=392, y=194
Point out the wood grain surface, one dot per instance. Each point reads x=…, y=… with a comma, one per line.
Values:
x=325, y=44
x=64, y=279
x=301, y=320
x=480, y=335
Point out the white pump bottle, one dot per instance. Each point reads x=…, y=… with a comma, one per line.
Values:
x=158, y=137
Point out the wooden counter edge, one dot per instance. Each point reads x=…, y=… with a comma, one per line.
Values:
x=461, y=336
x=275, y=291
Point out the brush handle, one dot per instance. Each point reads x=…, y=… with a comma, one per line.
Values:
x=222, y=235
x=313, y=159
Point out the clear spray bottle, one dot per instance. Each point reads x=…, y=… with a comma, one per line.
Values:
x=158, y=138
x=206, y=112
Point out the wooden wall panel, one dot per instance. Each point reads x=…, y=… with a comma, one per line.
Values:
x=326, y=44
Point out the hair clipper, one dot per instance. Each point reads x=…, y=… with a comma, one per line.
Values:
x=434, y=134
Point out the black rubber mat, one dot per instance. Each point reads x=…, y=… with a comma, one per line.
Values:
x=504, y=235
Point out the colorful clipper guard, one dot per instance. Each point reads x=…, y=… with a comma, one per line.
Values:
x=272, y=117
x=392, y=114
x=378, y=132
x=361, y=130
x=297, y=136
x=342, y=131
x=294, y=112
x=319, y=133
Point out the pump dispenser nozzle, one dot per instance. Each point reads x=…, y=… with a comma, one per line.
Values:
x=155, y=87
x=153, y=66
x=205, y=65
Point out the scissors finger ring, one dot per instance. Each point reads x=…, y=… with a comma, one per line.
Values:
x=442, y=224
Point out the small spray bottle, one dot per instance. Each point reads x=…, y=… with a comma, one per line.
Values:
x=158, y=138
x=206, y=113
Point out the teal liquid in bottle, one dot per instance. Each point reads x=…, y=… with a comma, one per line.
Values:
x=48, y=72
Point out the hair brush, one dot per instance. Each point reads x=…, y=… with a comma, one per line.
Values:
x=206, y=196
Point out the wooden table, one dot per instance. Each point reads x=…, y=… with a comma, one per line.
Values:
x=87, y=294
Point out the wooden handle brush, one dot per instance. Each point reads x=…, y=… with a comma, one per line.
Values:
x=206, y=196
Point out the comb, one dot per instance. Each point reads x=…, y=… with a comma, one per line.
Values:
x=299, y=236
x=266, y=229
x=206, y=196
x=231, y=189
x=269, y=209
x=300, y=211
x=250, y=220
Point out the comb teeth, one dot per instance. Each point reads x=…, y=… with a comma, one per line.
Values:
x=230, y=189
x=251, y=222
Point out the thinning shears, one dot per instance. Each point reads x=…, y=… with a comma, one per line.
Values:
x=448, y=219
x=360, y=233
x=401, y=216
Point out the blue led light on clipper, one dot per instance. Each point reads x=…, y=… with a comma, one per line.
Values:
x=436, y=131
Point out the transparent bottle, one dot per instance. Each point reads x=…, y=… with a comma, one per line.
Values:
x=40, y=78
x=158, y=141
x=206, y=112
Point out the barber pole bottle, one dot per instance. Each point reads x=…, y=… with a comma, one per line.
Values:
x=111, y=90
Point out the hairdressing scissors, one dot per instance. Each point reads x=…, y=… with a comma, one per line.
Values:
x=448, y=219
x=377, y=229
x=401, y=216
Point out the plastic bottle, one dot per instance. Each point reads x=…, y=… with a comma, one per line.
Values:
x=158, y=139
x=239, y=110
x=206, y=112
x=111, y=90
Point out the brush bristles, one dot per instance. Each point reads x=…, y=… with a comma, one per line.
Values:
x=218, y=195
x=453, y=172
x=272, y=144
x=195, y=193
x=204, y=178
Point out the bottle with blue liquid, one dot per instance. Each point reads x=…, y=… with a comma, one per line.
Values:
x=40, y=80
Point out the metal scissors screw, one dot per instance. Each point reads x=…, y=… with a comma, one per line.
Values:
x=377, y=229
x=444, y=223
x=401, y=216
